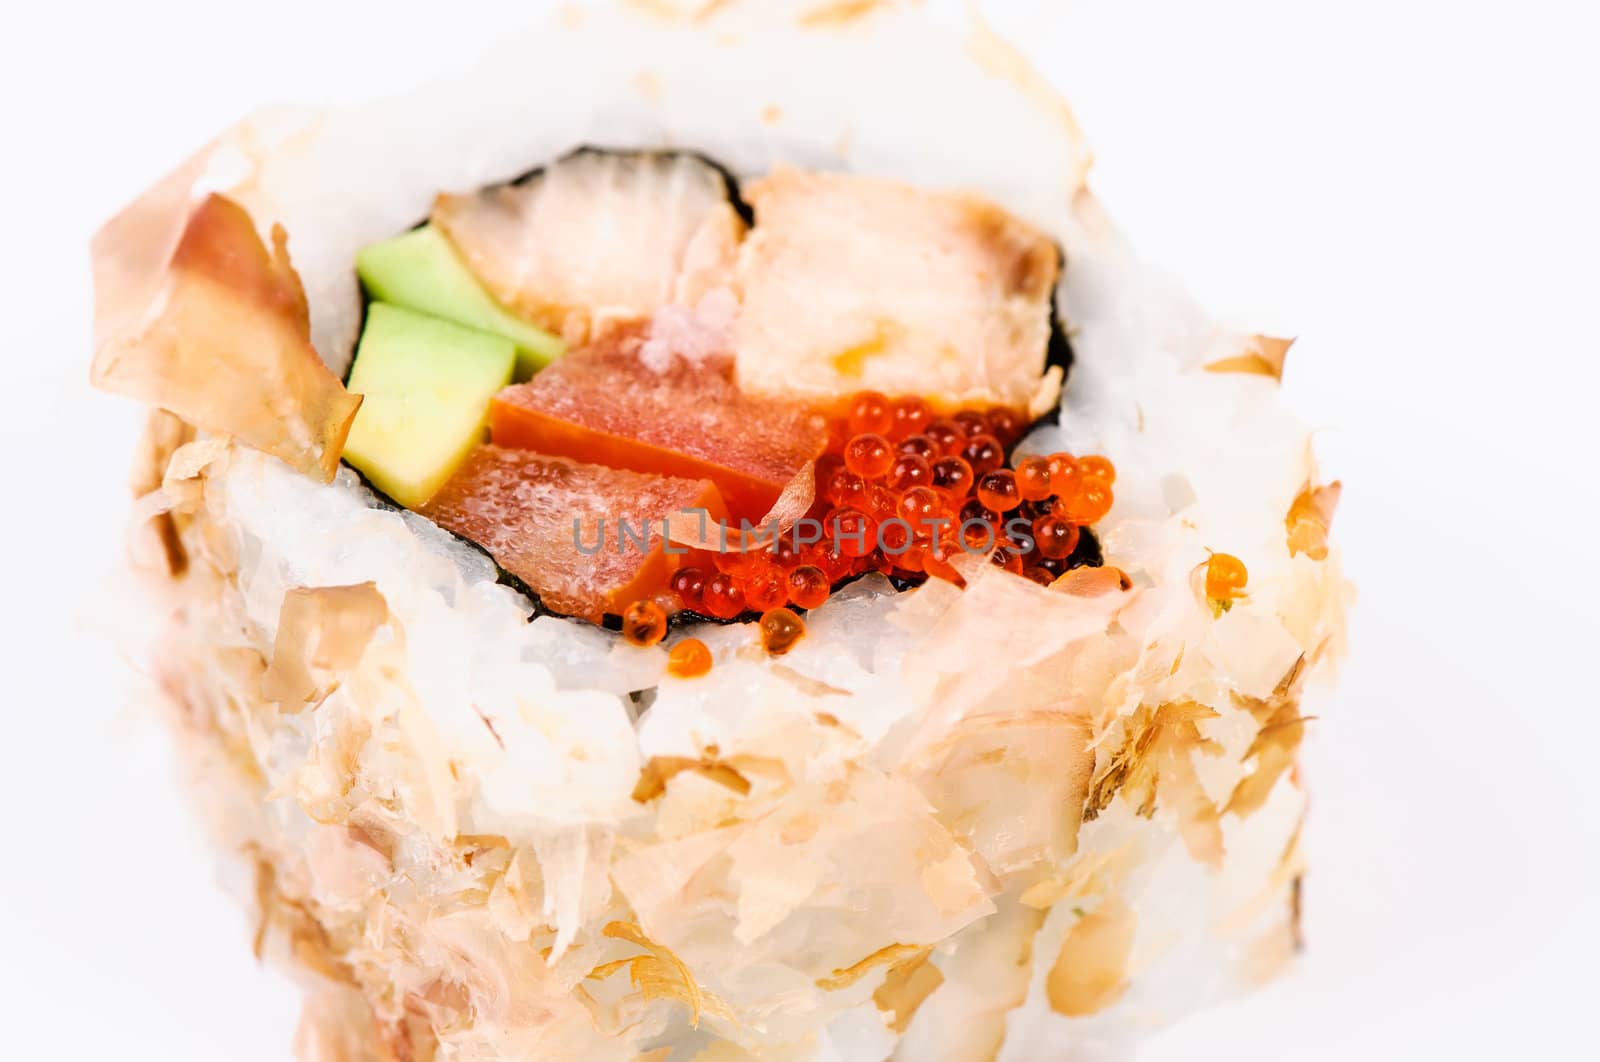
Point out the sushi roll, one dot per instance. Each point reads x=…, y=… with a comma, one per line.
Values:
x=694, y=567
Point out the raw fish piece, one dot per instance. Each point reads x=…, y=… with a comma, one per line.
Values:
x=855, y=283
x=603, y=404
x=598, y=237
x=531, y=512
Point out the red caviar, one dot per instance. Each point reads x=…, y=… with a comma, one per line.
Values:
x=903, y=489
x=1006, y=425
x=1090, y=502
x=846, y=488
x=1064, y=475
x=922, y=446
x=1226, y=577
x=1038, y=574
x=946, y=435
x=953, y=476
x=1055, y=537
x=1093, y=466
x=1033, y=478
x=644, y=623
x=984, y=453
x=998, y=492
x=689, y=659
x=724, y=597
x=909, y=470
x=918, y=506
x=690, y=586
x=767, y=588
x=780, y=629
x=870, y=412
x=972, y=423
x=868, y=455
x=909, y=415
x=808, y=586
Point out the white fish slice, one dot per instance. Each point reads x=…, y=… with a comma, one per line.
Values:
x=598, y=237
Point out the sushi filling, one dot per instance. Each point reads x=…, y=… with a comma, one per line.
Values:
x=641, y=410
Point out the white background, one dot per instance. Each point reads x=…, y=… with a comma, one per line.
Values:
x=1410, y=187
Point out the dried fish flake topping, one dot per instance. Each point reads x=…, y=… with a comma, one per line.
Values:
x=196, y=315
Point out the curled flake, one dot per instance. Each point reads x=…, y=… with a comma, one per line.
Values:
x=1309, y=519
x=322, y=634
x=849, y=975
x=660, y=974
x=1262, y=356
x=1274, y=752
x=1156, y=758
x=1275, y=744
x=1012, y=786
x=1091, y=972
x=659, y=770
x=905, y=986
x=221, y=336
x=1093, y=582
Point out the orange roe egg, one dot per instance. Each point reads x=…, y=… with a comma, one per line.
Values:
x=972, y=423
x=997, y=490
x=919, y=506
x=808, y=586
x=911, y=560
x=946, y=435
x=894, y=537
x=870, y=413
x=977, y=526
x=1008, y=558
x=851, y=531
x=876, y=561
x=780, y=629
x=723, y=597
x=1042, y=576
x=846, y=488
x=644, y=623
x=953, y=476
x=921, y=446
x=690, y=586
x=689, y=659
x=1064, y=475
x=868, y=455
x=1226, y=576
x=936, y=562
x=766, y=588
x=910, y=415
x=827, y=557
x=984, y=453
x=1033, y=478
x=1006, y=424
x=1093, y=466
x=909, y=470
x=1054, y=537
x=1088, y=503
x=881, y=502
x=785, y=552
x=736, y=561
x=823, y=471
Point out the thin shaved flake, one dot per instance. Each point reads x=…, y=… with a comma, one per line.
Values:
x=215, y=329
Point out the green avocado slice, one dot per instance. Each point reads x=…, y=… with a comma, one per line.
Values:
x=423, y=271
x=426, y=386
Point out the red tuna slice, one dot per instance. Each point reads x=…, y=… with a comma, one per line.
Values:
x=604, y=404
x=520, y=506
